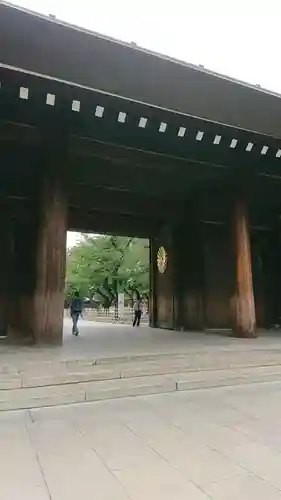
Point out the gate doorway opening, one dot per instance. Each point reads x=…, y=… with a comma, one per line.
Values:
x=110, y=273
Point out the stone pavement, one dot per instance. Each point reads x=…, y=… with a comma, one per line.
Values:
x=110, y=361
x=113, y=340
x=220, y=444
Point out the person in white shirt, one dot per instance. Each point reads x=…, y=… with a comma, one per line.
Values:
x=137, y=312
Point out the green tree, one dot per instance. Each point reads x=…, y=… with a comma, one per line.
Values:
x=103, y=266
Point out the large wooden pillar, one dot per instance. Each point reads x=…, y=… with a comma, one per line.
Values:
x=23, y=276
x=152, y=282
x=272, y=277
x=51, y=255
x=191, y=270
x=164, y=273
x=245, y=317
x=5, y=266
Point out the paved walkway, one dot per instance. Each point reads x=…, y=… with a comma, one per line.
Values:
x=107, y=340
x=220, y=444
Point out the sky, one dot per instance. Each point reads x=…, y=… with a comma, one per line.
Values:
x=237, y=38
x=72, y=239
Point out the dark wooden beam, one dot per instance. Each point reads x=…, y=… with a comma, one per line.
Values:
x=19, y=133
x=84, y=146
x=123, y=202
x=111, y=223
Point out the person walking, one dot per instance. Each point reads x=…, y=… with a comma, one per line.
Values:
x=76, y=309
x=137, y=313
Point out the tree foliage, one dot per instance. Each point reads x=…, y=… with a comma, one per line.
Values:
x=103, y=266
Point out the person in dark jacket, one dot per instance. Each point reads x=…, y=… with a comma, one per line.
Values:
x=76, y=309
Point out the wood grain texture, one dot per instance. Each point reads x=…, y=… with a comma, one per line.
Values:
x=51, y=257
x=245, y=317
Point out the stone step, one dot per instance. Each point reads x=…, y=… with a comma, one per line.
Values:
x=64, y=373
x=71, y=364
x=143, y=364
x=78, y=392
